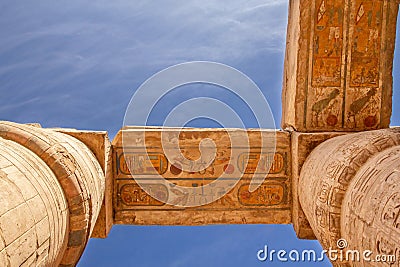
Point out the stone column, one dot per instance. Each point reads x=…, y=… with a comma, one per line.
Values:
x=337, y=76
x=51, y=191
x=349, y=188
x=371, y=208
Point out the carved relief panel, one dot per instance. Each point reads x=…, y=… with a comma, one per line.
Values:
x=345, y=49
x=269, y=203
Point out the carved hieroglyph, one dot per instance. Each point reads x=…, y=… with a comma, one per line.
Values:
x=327, y=178
x=302, y=145
x=371, y=208
x=270, y=203
x=338, y=66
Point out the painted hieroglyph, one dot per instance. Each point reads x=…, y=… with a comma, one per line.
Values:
x=346, y=53
x=133, y=204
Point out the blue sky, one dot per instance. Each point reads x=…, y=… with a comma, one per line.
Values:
x=77, y=63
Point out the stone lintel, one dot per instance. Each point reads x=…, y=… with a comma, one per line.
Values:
x=270, y=204
x=338, y=65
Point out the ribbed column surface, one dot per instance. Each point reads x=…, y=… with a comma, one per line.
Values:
x=345, y=185
x=33, y=209
x=327, y=173
x=55, y=195
x=371, y=209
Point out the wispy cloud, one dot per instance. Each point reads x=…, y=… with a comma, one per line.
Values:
x=99, y=52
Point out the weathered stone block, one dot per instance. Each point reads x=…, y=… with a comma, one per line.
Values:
x=13, y=228
x=269, y=204
x=338, y=66
x=302, y=145
x=99, y=144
